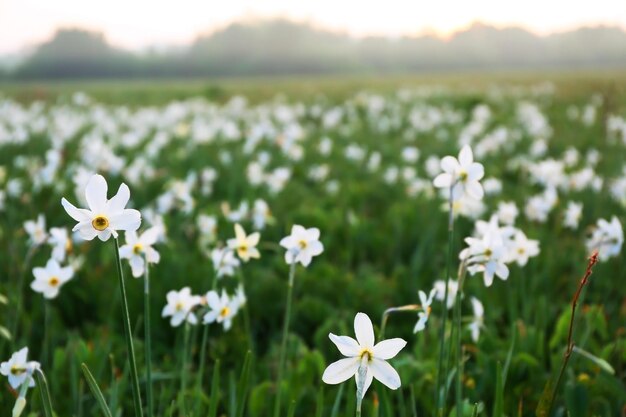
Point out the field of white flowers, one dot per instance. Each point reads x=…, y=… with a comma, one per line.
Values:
x=289, y=257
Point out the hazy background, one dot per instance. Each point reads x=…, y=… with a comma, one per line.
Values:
x=71, y=39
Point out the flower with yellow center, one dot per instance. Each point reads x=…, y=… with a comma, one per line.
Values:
x=245, y=245
x=19, y=370
x=364, y=357
x=180, y=305
x=138, y=249
x=48, y=280
x=222, y=309
x=104, y=217
x=302, y=245
x=462, y=175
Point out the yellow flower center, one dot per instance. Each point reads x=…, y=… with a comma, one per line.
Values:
x=303, y=244
x=100, y=223
x=488, y=253
x=243, y=248
x=179, y=306
x=16, y=370
x=224, y=312
x=463, y=175
x=521, y=251
x=367, y=354
x=138, y=248
x=54, y=281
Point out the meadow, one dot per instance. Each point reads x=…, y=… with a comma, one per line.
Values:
x=358, y=159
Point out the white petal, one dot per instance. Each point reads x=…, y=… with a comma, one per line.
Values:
x=466, y=157
x=369, y=377
x=385, y=373
x=119, y=200
x=474, y=189
x=340, y=371
x=346, y=345
x=387, y=349
x=128, y=219
x=96, y=193
x=87, y=231
x=80, y=215
x=364, y=330
x=475, y=172
x=449, y=164
x=442, y=180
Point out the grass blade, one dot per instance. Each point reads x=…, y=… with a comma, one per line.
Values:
x=242, y=386
x=335, y=410
x=44, y=392
x=95, y=390
x=319, y=408
x=499, y=395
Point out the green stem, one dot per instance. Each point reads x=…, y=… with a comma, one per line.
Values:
x=20, y=291
x=283, y=345
x=183, y=369
x=148, y=339
x=205, y=338
x=459, y=358
x=441, y=371
x=134, y=378
x=46, y=333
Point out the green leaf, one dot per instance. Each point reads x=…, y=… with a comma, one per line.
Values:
x=498, y=404
x=604, y=365
x=242, y=386
x=4, y=332
x=95, y=390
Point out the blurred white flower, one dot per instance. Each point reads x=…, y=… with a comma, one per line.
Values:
x=61, y=243
x=36, y=230
x=607, y=238
x=222, y=309
x=138, y=250
x=507, y=212
x=180, y=305
x=425, y=302
x=19, y=370
x=463, y=175
x=224, y=262
x=573, y=213
x=48, y=280
x=302, y=245
x=477, y=320
x=245, y=245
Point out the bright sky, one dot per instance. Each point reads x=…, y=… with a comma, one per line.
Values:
x=139, y=23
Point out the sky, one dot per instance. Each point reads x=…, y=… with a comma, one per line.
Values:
x=136, y=24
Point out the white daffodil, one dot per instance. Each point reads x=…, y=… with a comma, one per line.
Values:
x=49, y=280
x=179, y=307
x=245, y=245
x=607, y=238
x=261, y=214
x=302, y=245
x=363, y=354
x=138, y=250
x=521, y=248
x=486, y=255
x=477, y=321
x=440, y=291
x=224, y=262
x=61, y=243
x=426, y=301
x=222, y=309
x=573, y=213
x=19, y=370
x=104, y=217
x=36, y=230
x=463, y=175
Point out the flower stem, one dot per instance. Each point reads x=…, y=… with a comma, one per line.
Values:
x=205, y=338
x=148, y=340
x=134, y=378
x=459, y=357
x=183, y=368
x=283, y=345
x=441, y=371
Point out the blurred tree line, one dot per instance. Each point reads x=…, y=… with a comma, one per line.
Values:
x=280, y=47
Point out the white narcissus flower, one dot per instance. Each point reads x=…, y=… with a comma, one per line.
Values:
x=36, y=230
x=463, y=175
x=573, y=213
x=49, y=280
x=425, y=302
x=440, y=292
x=19, y=370
x=245, y=245
x=477, y=321
x=179, y=306
x=362, y=352
x=104, y=217
x=486, y=255
x=521, y=248
x=224, y=262
x=302, y=245
x=222, y=309
x=138, y=250
x=607, y=238
x=61, y=243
